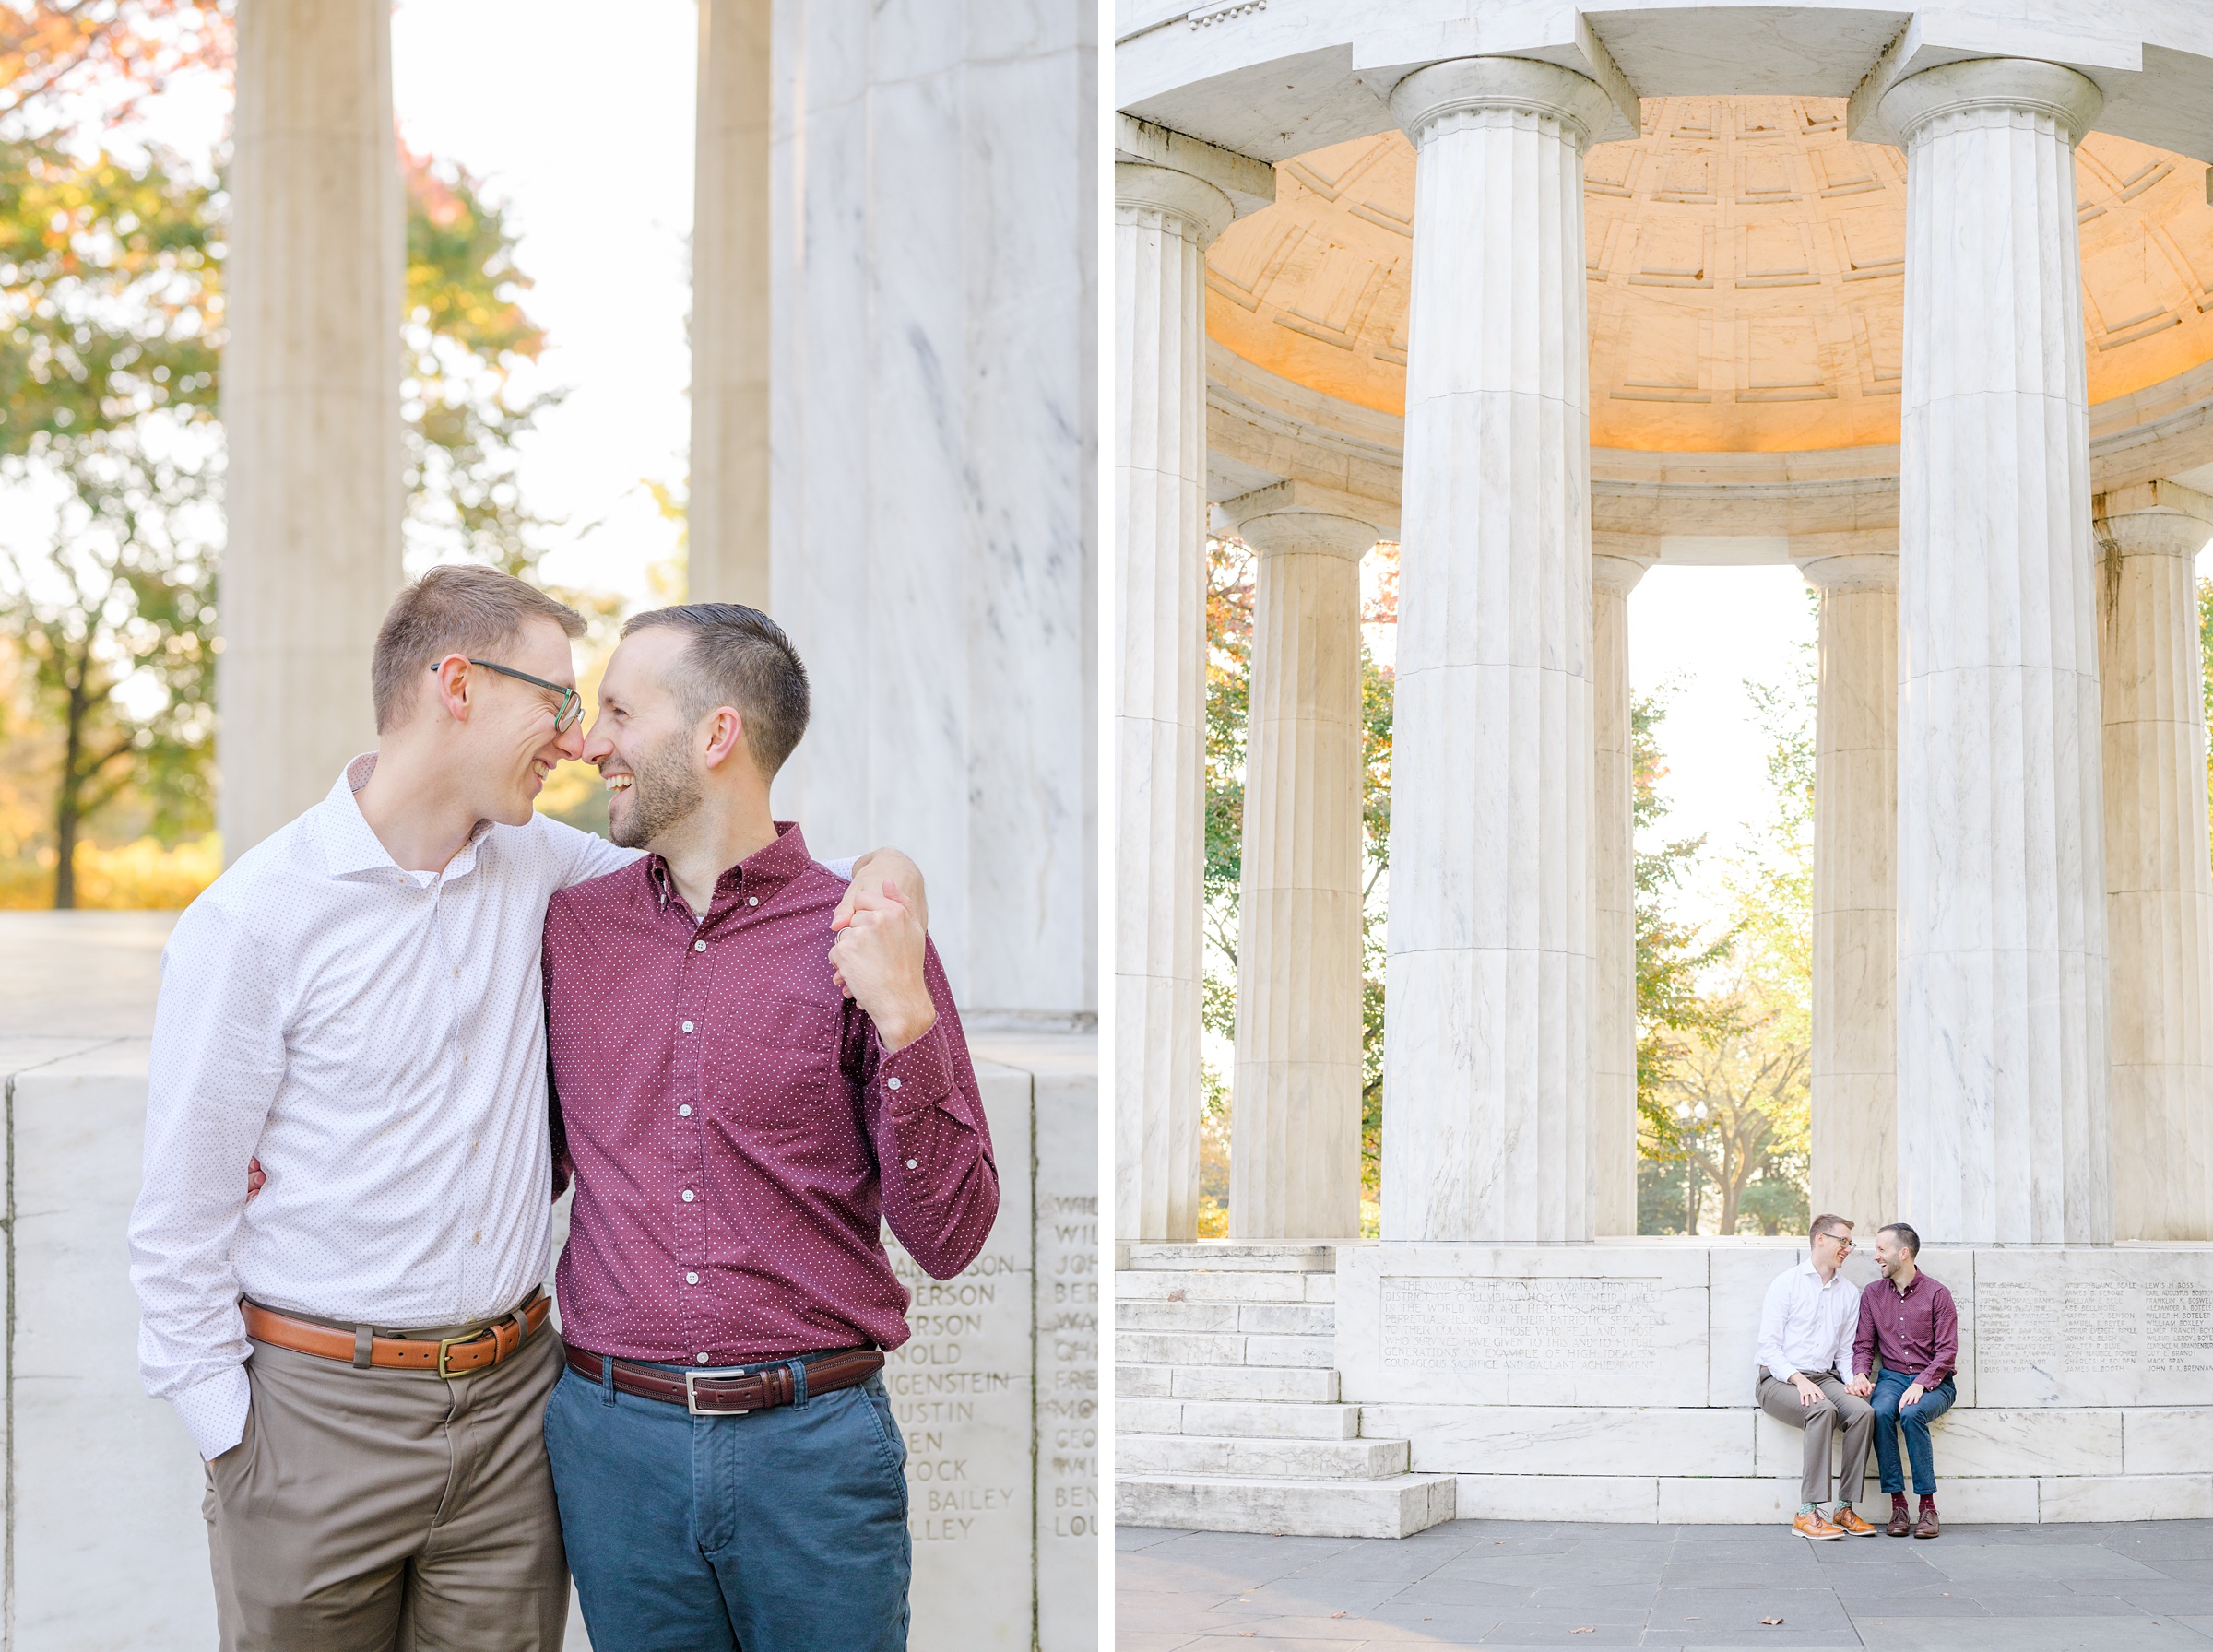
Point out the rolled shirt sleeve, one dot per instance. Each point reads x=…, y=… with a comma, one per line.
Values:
x=1944, y=1339
x=940, y=1183
x=213, y=1072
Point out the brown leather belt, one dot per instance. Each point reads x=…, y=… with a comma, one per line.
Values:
x=735, y=1390
x=448, y=1356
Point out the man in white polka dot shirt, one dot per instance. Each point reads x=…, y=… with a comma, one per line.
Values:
x=358, y=1349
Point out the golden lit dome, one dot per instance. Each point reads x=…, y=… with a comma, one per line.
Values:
x=1746, y=268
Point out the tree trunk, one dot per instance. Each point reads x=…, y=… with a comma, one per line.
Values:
x=69, y=796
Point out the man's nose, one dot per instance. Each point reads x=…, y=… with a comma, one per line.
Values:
x=597, y=747
x=570, y=742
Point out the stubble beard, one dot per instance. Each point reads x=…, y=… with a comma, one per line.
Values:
x=663, y=792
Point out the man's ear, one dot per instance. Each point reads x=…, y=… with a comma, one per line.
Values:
x=725, y=736
x=450, y=690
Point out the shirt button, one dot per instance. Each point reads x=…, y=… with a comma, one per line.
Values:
x=476, y=1237
x=890, y=1083
x=752, y=900
x=456, y=972
x=702, y=1359
x=689, y=1196
x=691, y=1279
x=685, y=1111
x=687, y=1026
x=697, y=945
x=910, y=1165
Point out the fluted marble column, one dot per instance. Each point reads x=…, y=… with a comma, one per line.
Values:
x=1294, y=1128
x=728, y=518
x=1487, y=1061
x=311, y=404
x=2002, y=1070
x=1613, y=902
x=1855, y=891
x=1163, y=222
x=2159, y=882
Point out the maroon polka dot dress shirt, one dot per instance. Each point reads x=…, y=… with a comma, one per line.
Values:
x=737, y=1135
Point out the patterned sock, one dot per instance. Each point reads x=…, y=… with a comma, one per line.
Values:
x=1928, y=1503
x=1898, y=1503
x=1805, y=1508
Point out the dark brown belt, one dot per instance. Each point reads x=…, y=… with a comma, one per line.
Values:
x=734, y=1391
x=448, y=1356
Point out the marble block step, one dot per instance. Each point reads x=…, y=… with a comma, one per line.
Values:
x=1252, y=1418
x=1179, y=1284
x=1397, y=1507
x=1217, y=1254
x=1210, y=1347
x=1226, y=1382
x=1246, y=1458
x=1267, y=1318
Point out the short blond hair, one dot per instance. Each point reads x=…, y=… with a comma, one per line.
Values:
x=458, y=608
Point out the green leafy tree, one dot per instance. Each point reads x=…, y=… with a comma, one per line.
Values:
x=110, y=362
x=112, y=307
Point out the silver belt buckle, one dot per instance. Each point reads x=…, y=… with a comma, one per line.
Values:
x=692, y=1391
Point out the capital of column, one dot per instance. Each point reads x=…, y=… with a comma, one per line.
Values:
x=1467, y=85
x=2031, y=87
x=2153, y=519
x=1860, y=573
x=1198, y=205
x=1292, y=517
x=1616, y=575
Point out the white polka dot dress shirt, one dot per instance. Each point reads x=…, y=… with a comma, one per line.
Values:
x=376, y=1037
x=1806, y=1323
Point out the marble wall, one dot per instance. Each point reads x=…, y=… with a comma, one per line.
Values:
x=1615, y=1382
x=932, y=294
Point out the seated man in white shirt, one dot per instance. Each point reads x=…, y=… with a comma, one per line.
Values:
x=362, y=1352
x=1805, y=1331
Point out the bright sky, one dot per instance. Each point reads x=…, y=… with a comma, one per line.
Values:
x=593, y=158
x=1701, y=633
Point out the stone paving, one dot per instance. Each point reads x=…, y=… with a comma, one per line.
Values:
x=1494, y=1583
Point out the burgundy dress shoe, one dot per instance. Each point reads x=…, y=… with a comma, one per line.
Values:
x=1926, y=1526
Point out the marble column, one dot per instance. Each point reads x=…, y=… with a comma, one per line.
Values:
x=727, y=519
x=1163, y=223
x=2159, y=882
x=311, y=404
x=1294, y=1128
x=2001, y=1066
x=1488, y=1063
x=1855, y=892
x=1613, y=902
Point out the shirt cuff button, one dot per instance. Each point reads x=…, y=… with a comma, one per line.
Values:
x=910, y=1165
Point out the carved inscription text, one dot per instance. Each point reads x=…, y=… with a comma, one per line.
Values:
x=1520, y=1325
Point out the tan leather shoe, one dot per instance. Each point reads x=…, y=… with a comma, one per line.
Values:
x=1849, y=1524
x=1925, y=1526
x=1814, y=1526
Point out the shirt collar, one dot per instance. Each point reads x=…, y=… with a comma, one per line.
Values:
x=351, y=849
x=760, y=875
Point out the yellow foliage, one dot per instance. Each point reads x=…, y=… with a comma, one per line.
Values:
x=145, y=876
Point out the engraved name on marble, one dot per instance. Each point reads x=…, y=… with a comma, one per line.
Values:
x=2093, y=1327
x=1520, y=1325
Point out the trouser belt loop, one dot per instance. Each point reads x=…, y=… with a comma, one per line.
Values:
x=799, y=1384
x=363, y=1336
x=607, y=1380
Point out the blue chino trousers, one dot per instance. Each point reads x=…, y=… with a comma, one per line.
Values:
x=1890, y=1416
x=782, y=1530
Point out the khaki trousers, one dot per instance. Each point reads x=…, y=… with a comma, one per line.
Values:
x=1780, y=1399
x=390, y=1511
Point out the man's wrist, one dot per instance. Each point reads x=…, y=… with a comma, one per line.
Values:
x=909, y=1023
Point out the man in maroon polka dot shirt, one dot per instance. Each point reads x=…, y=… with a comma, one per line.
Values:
x=750, y=1082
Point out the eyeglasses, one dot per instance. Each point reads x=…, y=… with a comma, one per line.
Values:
x=566, y=716
x=1841, y=1243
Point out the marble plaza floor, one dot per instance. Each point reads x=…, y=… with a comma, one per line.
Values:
x=1491, y=1583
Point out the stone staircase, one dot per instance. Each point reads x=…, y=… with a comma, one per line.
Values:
x=1228, y=1414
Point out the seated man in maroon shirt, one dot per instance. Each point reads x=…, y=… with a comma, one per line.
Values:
x=1909, y=1328
x=743, y=1108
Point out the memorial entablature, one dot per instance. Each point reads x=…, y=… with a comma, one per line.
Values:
x=1917, y=301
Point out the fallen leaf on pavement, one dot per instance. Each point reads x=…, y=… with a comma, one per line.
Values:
x=1336, y=1615
x=1770, y=1623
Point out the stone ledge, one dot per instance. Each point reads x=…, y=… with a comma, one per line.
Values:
x=1321, y=1508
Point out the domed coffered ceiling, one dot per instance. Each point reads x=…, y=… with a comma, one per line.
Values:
x=1744, y=276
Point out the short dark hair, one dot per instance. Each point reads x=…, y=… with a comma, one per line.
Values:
x=1822, y=1224
x=462, y=607
x=1906, y=1235
x=738, y=657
